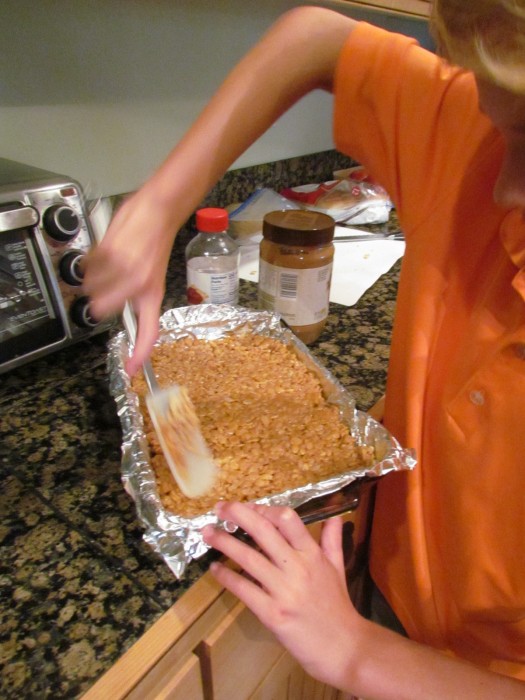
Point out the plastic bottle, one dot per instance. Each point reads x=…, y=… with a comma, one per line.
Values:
x=295, y=269
x=212, y=261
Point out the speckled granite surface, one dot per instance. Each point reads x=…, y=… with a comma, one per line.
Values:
x=78, y=584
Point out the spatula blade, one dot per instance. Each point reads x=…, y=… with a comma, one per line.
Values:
x=178, y=430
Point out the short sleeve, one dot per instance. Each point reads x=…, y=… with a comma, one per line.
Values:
x=406, y=115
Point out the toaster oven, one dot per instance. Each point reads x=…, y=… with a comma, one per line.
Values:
x=44, y=234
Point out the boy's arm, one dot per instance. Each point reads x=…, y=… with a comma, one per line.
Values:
x=297, y=55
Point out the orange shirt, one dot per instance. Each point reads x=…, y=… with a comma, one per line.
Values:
x=448, y=543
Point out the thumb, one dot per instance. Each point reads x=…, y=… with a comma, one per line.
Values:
x=332, y=543
x=147, y=333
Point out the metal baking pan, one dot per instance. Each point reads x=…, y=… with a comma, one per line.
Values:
x=178, y=540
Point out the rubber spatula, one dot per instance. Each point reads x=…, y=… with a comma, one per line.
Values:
x=172, y=412
x=177, y=426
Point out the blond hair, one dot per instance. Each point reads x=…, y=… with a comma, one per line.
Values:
x=485, y=36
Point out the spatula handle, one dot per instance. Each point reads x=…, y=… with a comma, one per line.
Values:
x=129, y=321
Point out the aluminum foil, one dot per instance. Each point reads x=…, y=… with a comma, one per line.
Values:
x=176, y=539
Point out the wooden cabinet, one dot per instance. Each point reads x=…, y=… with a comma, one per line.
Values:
x=237, y=655
x=208, y=646
x=418, y=8
x=172, y=681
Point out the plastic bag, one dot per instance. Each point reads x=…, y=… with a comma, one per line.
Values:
x=246, y=220
x=355, y=199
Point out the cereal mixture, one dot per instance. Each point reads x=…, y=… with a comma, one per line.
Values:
x=262, y=413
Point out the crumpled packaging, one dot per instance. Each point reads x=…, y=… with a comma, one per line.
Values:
x=176, y=539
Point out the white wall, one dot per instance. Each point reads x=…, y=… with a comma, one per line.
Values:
x=100, y=90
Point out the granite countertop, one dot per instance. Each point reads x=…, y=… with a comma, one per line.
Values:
x=79, y=585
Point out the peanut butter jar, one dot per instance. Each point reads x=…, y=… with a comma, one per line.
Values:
x=295, y=269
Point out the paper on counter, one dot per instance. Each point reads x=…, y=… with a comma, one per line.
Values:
x=357, y=265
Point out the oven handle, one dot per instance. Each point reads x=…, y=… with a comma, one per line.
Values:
x=22, y=217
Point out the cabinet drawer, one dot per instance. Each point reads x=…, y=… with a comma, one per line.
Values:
x=237, y=655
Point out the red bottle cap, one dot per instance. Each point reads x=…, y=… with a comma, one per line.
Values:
x=212, y=220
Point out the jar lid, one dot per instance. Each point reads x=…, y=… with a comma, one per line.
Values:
x=298, y=227
x=211, y=220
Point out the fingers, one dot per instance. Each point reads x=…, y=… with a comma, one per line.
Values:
x=103, y=307
x=278, y=531
x=101, y=284
x=109, y=285
x=147, y=310
x=254, y=563
x=146, y=337
x=289, y=525
x=248, y=592
x=288, y=536
x=276, y=557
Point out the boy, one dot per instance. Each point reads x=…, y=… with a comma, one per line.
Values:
x=449, y=146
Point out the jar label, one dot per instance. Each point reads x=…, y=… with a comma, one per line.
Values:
x=299, y=296
x=214, y=284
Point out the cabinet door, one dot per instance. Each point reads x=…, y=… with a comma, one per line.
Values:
x=178, y=683
x=288, y=681
x=237, y=655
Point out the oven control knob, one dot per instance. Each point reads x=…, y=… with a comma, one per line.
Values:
x=61, y=222
x=80, y=313
x=70, y=267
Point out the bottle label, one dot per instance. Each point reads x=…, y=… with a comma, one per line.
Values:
x=299, y=296
x=212, y=281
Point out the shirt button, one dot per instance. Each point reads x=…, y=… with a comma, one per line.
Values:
x=477, y=398
x=519, y=349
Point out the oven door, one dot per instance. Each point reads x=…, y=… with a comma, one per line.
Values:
x=30, y=315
